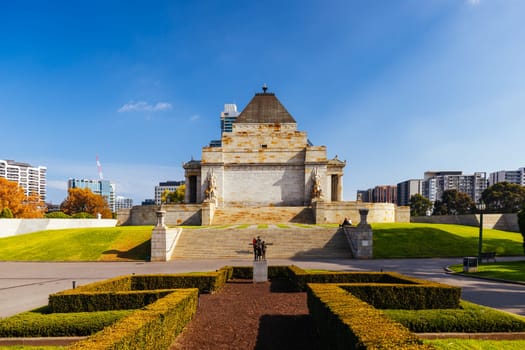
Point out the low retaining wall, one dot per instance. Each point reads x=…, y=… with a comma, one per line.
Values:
x=176, y=214
x=335, y=212
x=504, y=222
x=13, y=227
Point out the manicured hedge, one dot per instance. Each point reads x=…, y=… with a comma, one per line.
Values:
x=427, y=295
x=154, y=327
x=133, y=291
x=37, y=324
x=103, y=301
x=346, y=322
x=469, y=318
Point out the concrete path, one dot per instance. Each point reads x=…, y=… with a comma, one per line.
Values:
x=26, y=285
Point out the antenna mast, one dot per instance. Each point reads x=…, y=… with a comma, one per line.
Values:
x=99, y=168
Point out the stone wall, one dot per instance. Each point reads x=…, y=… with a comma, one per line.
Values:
x=505, y=222
x=13, y=227
x=335, y=212
x=176, y=214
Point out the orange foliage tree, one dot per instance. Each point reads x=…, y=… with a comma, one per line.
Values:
x=83, y=200
x=13, y=197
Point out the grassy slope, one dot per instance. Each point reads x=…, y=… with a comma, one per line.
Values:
x=394, y=240
x=86, y=244
x=404, y=240
x=472, y=344
x=510, y=270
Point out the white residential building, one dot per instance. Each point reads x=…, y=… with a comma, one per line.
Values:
x=163, y=186
x=437, y=182
x=31, y=179
x=511, y=176
x=123, y=203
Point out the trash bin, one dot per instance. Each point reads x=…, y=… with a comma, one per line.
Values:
x=470, y=264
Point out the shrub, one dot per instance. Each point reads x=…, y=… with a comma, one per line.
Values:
x=155, y=327
x=57, y=215
x=83, y=216
x=6, y=213
x=346, y=322
x=39, y=324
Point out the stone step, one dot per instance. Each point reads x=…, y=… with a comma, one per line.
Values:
x=282, y=243
x=255, y=215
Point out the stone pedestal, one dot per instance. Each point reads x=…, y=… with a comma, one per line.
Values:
x=360, y=237
x=208, y=211
x=260, y=271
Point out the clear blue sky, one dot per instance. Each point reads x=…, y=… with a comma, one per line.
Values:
x=393, y=87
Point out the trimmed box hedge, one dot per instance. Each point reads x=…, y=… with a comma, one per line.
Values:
x=427, y=295
x=133, y=291
x=152, y=328
x=39, y=324
x=104, y=301
x=346, y=322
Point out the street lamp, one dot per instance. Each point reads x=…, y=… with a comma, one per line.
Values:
x=480, y=206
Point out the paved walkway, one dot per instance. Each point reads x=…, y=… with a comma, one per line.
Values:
x=26, y=285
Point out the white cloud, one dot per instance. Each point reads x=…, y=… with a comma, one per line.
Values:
x=145, y=106
x=194, y=117
x=473, y=2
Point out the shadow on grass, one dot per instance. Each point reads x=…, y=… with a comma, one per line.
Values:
x=140, y=252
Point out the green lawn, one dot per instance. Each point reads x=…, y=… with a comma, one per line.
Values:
x=510, y=270
x=472, y=344
x=84, y=244
x=411, y=240
x=393, y=240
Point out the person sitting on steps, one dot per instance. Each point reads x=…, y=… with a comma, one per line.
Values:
x=346, y=222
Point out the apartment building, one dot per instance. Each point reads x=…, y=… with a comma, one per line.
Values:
x=31, y=179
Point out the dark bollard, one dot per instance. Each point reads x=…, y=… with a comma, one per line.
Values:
x=74, y=284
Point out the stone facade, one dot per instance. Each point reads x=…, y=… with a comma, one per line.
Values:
x=264, y=161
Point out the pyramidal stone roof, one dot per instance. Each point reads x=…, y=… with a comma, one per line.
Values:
x=265, y=108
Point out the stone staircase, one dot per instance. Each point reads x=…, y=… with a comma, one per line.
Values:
x=232, y=242
x=255, y=215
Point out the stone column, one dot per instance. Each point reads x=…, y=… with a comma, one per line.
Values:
x=158, y=238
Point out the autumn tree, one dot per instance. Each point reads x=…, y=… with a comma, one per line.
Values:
x=504, y=197
x=419, y=205
x=176, y=196
x=83, y=200
x=14, y=201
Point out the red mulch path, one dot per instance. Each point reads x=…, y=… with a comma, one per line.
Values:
x=247, y=315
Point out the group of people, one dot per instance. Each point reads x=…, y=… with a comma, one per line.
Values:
x=259, y=248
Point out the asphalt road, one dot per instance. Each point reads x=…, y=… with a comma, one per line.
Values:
x=26, y=285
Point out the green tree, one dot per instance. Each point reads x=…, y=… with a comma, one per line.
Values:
x=454, y=202
x=172, y=197
x=504, y=197
x=521, y=224
x=6, y=213
x=419, y=205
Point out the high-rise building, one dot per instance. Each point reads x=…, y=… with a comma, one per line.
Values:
x=123, y=203
x=407, y=189
x=510, y=176
x=100, y=187
x=379, y=194
x=31, y=179
x=228, y=117
x=436, y=182
x=163, y=186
